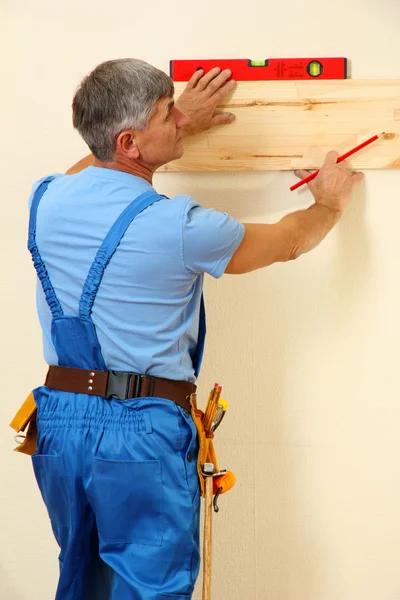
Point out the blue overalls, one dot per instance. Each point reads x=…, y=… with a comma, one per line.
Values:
x=118, y=478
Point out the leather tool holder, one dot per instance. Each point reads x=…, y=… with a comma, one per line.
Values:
x=25, y=421
x=206, y=444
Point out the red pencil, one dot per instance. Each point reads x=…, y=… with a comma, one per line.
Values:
x=343, y=157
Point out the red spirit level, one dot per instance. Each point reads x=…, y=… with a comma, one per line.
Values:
x=272, y=69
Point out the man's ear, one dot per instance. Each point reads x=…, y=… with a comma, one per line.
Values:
x=126, y=144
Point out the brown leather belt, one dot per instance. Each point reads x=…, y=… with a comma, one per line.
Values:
x=119, y=384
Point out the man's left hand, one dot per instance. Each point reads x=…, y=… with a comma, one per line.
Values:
x=200, y=98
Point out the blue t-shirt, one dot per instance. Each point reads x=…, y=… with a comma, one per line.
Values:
x=146, y=311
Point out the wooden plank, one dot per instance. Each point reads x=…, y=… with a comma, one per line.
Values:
x=286, y=125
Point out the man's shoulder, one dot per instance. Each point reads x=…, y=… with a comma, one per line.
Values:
x=47, y=178
x=179, y=204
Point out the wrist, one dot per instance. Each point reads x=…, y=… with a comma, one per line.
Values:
x=334, y=211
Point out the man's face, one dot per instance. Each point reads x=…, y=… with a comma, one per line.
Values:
x=162, y=141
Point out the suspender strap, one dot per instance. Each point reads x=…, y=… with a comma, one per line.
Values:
x=108, y=247
x=41, y=270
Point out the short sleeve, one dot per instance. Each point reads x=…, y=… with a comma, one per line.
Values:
x=209, y=239
x=38, y=182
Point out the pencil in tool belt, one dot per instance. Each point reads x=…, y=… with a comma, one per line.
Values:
x=212, y=407
x=209, y=403
x=343, y=157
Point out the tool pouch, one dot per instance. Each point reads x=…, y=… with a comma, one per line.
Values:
x=206, y=445
x=25, y=421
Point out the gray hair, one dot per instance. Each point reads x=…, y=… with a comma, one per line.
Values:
x=118, y=94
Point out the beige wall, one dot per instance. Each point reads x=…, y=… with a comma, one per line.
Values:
x=307, y=352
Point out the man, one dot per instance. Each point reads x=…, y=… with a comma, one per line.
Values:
x=120, y=303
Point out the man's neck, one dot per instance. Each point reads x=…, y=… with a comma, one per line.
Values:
x=133, y=168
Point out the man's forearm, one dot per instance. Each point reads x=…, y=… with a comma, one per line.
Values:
x=305, y=229
x=295, y=234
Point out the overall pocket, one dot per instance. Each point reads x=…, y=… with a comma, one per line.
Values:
x=126, y=497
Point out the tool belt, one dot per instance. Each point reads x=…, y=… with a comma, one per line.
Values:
x=118, y=384
x=122, y=386
x=108, y=384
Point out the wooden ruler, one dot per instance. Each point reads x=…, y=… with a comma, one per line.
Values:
x=286, y=125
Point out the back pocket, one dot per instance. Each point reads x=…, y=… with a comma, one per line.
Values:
x=126, y=497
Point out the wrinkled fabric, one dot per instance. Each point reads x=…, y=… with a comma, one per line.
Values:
x=120, y=484
x=118, y=478
x=147, y=307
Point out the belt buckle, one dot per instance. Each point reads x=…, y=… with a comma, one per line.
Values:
x=138, y=384
x=118, y=384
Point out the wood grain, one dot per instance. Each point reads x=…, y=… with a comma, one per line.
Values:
x=290, y=125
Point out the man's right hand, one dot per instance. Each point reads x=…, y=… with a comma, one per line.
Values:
x=201, y=98
x=334, y=183
x=301, y=231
